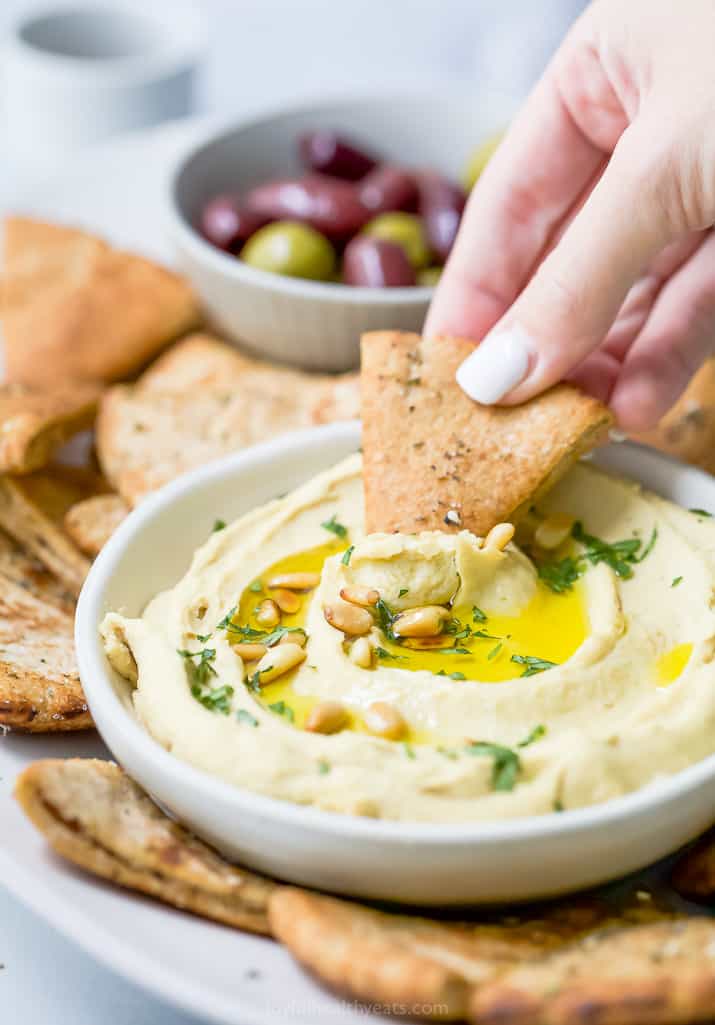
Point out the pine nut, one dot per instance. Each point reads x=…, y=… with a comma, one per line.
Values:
x=268, y=614
x=553, y=531
x=425, y=621
x=384, y=720
x=349, y=618
x=287, y=601
x=250, y=652
x=326, y=717
x=298, y=637
x=295, y=581
x=499, y=536
x=277, y=661
x=360, y=653
x=365, y=596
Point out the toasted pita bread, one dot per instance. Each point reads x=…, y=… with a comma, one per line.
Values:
x=657, y=974
x=27, y=572
x=35, y=423
x=202, y=400
x=32, y=509
x=687, y=431
x=92, y=813
x=694, y=872
x=73, y=308
x=426, y=967
x=92, y=522
x=436, y=460
x=40, y=690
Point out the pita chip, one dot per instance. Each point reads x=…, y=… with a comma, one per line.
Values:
x=694, y=873
x=436, y=460
x=91, y=522
x=34, y=423
x=94, y=815
x=74, y=308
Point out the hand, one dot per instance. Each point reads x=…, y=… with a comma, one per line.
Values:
x=586, y=250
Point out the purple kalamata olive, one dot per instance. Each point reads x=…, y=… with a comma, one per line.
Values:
x=330, y=206
x=328, y=153
x=388, y=188
x=226, y=223
x=441, y=205
x=376, y=263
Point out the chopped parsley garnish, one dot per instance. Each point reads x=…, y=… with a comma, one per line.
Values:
x=385, y=618
x=202, y=638
x=346, y=555
x=621, y=556
x=562, y=575
x=454, y=651
x=477, y=615
x=323, y=767
x=256, y=586
x=409, y=751
x=495, y=651
x=243, y=715
x=701, y=512
x=676, y=581
x=216, y=700
x=452, y=676
x=533, y=664
x=334, y=527
x=484, y=636
x=254, y=681
x=402, y=591
x=247, y=634
x=558, y=806
x=225, y=623
x=199, y=673
x=506, y=764
x=218, y=525
x=536, y=734
x=387, y=655
x=281, y=708
x=448, y=752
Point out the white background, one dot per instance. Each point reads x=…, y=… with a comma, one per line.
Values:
x=264, y=51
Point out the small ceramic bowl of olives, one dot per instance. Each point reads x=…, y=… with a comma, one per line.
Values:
x=301, y=230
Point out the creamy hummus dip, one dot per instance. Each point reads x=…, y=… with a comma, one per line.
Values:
x=436, y=677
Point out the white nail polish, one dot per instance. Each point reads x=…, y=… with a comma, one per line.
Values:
x=496, y=366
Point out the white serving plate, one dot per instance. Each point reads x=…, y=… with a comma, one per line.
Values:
x=417, y=863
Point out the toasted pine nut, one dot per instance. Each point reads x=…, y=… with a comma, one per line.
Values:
x=287, y=601
x=295, y=581
x=499, y=536
x=250, y=652
x=351, y=619
x=384, y=720
x=326, y=717
x=364, y=596
x=360, y=653
x=277, y=661
x=425, y=621
x=553, y=531
x=298, y=637
x=268, y=613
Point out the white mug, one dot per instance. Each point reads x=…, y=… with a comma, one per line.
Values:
x=71, y=76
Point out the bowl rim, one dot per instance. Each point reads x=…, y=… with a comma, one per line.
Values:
x=100, y=693
x=223, y=263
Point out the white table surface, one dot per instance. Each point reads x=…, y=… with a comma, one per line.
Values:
x=44, y=978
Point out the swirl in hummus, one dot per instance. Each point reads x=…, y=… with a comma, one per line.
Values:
x=436, y=677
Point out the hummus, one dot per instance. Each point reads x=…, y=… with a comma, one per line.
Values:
x=560, y=676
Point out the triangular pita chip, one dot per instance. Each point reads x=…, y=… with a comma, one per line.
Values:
x=436, y=460
x=94, y=815
x=34, y=423
x=687, y=431
x=92, y=522
x=74, y=308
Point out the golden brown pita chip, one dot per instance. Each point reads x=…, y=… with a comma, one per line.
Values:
x=694, y=872
x=92, y=522
x=34, y=423
x=657, y=974
x=31, y=509
x=73, y=308
x=687, y=431
x=27, y=572
x=436, y=460
x=92, y=813
x=426, y=967
x=40, y=690
x=202, y=400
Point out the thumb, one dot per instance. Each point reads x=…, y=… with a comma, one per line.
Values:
x=565, y=311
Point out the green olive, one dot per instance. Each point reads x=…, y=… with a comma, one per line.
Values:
x=287, y=247
x=479, y=159
x=429, y=276
x=404, y=229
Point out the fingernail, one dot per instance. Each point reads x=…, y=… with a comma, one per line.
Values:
x=496, y=366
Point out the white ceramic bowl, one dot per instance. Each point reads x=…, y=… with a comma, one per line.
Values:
x=311, y=324
x=417, y=863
